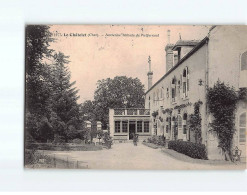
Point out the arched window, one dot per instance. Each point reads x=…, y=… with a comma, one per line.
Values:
x=242, y=128
x=243, y=70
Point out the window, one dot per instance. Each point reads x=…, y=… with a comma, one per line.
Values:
x=117, y=126
x=242, y=128
x=139, y=126
x=125, y=126
x=146, y=126
x=243, y=71
x=185, y=82
x=174, y=89
x=168, y=125
x=167, y=92
x=185, y=123
x=244, y=61
x=179, y=122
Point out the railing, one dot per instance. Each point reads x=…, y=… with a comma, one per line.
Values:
x=131, y=112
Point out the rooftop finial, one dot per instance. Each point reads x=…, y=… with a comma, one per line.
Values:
x=149, y=62
x=168, y=36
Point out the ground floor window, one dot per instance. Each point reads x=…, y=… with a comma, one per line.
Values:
x=117, y=126
x=139, y=126
x=242, y=128
x=125, y=126
x=184, y=129
x=146, y=127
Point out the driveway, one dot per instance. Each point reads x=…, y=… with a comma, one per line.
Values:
x=128, y=156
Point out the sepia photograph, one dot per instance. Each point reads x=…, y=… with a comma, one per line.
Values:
x=135, y=97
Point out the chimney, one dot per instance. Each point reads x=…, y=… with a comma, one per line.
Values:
x=169, y=53
x=150, y=74
x=168, y=36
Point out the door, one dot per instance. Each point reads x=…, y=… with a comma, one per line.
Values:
x=132, y=130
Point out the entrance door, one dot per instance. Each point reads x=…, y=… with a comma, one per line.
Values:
x=132, y=130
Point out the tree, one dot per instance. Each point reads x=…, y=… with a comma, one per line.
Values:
x=119, y=92
x=38, y=92
x=52, y=110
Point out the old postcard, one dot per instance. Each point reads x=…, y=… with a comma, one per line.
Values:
x=135, y=97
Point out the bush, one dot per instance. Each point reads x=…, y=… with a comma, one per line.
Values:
x=58, y=139
x=77, y=141
x=194, y=150
x=158, y=140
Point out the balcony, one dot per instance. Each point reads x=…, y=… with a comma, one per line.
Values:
x=131, y=112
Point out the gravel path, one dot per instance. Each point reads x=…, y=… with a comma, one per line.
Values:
x=128, y=156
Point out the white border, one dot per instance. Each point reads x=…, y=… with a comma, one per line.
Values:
x=13, y=17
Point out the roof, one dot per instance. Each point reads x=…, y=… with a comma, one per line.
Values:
x=180, y=43
x=198, y=46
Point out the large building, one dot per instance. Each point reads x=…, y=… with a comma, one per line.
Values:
x=193, y=66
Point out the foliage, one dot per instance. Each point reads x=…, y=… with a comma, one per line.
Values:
x=158, y=140
x=63, y=147
x=169, y=111
x=222, y=100
x=242, y=94
x=107, y=140
x=179, y=107
x=77, y=141
x=155, y=113
x=52, y=111
x=119, y=92
x=194, y=150
x=195, y=122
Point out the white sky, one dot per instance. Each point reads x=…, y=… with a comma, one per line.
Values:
x=96, y=58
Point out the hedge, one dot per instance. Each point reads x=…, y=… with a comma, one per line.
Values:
x=194, y=150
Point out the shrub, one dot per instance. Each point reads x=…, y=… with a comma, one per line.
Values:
x=158, y=140
x=194, y=150
x=77, y=141
x=161, y=140
x=58, y=139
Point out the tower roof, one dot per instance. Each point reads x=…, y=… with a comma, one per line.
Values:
x=181, y=43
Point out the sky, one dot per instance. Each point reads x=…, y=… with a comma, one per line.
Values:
x=104, y=51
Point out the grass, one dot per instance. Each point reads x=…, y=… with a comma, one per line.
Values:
x=63, y=147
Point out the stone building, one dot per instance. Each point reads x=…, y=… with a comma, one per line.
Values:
x=191, y=67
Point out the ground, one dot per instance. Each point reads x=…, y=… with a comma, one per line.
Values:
x=128, y=156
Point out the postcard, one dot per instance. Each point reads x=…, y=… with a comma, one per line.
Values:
x=135, y=97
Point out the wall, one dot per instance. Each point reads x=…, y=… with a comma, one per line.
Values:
x=226, y=44
x=196, y=64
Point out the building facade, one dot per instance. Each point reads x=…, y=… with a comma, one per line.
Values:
x=192, y=67
x=124, y=123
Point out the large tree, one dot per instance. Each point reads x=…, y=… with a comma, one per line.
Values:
x=51, y=99
x=119, y=92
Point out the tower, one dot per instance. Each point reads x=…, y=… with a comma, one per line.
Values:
x=150, y=74
x=169, y=53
